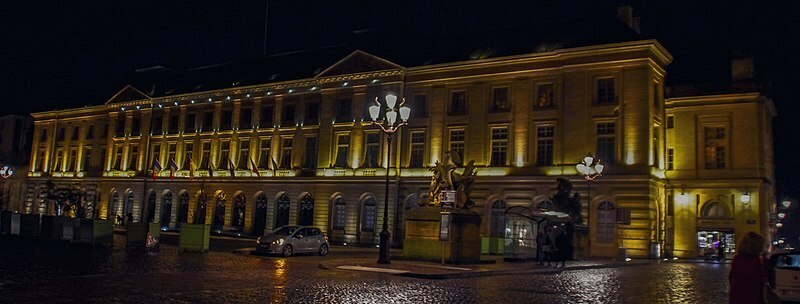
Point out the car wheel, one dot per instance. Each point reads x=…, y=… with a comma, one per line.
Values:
x=287, y=250
x=323, y=250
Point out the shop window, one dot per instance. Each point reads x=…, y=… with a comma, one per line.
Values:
x=498, y=219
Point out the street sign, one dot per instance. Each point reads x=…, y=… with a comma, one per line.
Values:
x=447, y=198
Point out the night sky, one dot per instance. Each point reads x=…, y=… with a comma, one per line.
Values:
x=72, y=54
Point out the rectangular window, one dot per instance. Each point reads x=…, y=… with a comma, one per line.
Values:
x=173, y=123
x=43, y=135
x=104, y=133
x=136, y=125
x=188, y=123
x=267, y=115
x=244, y=154
x=606, y=142
x=117, y=157
x=120, y=126
x=59, y=160
x=87, y=158
x=371, y=153
x=458, y=103
x=188, y=149
x=133, y=159
x=225, y=119
x=715, y=146
x=61, y=135
x=75, y=132
x=457, y=138
x=172, y=150
x=670, y=159
x=311, y=114
x=224, y=154
x=670, y=121
x=208, y=121
x=158, y=121
x=545, y=96
x=156, y=153
x=73, y=158
x=417, y=149
x=288, y=115
x=205, y=155
x=500, y=100
x=344, y=111
x=606, y=90
x=499, y=146
x=342, y=147
x=264, y=157
x=544, y=145
x=310, y=159
x=339, y=213
x=419, y=106
x=246, y=118
x=90, y=132
x=286, y=153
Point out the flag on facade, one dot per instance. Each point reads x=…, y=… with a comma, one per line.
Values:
x=254, y=168
x=191, y=167
x=156, y=168
x=172, y=168
x=231, y=168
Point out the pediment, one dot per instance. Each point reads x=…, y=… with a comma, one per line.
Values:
x=358, y=62
x=128, y=93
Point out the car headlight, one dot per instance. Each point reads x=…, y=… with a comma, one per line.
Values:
x=278, y=242
x=258, y=241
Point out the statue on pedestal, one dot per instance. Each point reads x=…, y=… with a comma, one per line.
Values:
x=446, y=177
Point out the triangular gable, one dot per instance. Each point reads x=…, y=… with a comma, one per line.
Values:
x=358, y=62
x=128, y=93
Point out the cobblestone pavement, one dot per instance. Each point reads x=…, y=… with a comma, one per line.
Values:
x=39, y=271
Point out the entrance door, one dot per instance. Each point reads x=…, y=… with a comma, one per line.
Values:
x=238, y=212
x=166, y=210
x=219, y=214
x=282, y=211
x=305, y=216
x=715, y=244
x=183, y=209
x=260, y=216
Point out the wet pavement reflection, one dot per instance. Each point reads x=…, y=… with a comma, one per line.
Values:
x=38, y=271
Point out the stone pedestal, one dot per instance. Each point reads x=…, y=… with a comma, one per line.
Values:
x=422, y=226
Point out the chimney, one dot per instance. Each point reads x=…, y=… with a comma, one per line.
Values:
x=625, y=14
x=742, y=66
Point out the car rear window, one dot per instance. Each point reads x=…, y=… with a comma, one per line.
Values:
x=787, y=261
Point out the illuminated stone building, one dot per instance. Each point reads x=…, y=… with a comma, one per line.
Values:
x=297, y=147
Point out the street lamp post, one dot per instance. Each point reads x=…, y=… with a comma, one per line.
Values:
x=389, y=125
x=590, y=168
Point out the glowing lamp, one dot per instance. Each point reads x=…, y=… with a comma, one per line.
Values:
x=374, y=111
x=391, y=100
x=745, y=198
x=582, y=169
x=588, y=160
x=599, y=168
x=786, y=203
x=682, y=199
x=391, y=116
x=781, y=215
x=405, y=112
x=779, y=225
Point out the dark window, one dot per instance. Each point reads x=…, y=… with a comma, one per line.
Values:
x=310, y=159
x=208, y=121
x=120, y=132
x=133, y=159
x=371, y=153
x=499, y=146
x=118, y=157
x=158, y=121
x=264, y=157
x=500, y=100
x=417, y=149
x=188, y=123
x=87, y=157
x=61, y=135
x=458, y=103
x=457, y=145
x=670, y=159
x=606, y=90
x=104, y=133
x=205, y=154
x=246, y=118
x=288, y=115
x=156, y=155
x=225, y=119
x=545, y=96
x=544, y=145
x=715, y=145
x=286, y=153
x=244, y=154
x=670, y=121
x=339, y=213
x=497, y=219
x=173, y=123
x=224, y=155
x=267, y=114
x=136, y=125
x=312, y=113
x=606, y=142
x=344, y=110
x=419, y=106
x=369, y=213
x=75, y=132
x=43, y=136
x=342, y=147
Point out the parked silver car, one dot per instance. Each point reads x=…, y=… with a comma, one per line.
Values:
x=288, y=240
x=787, y=275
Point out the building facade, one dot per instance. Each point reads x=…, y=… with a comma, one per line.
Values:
x=250, y=158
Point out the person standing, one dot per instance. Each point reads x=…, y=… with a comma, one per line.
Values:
x=749, y=274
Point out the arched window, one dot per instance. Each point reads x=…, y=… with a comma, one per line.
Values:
x=260, y=215
x=238, y=211
x=305, y=216
x=498, y=219
x=282, y=211
x=200, y=215
x=183, y=209
x=369, y=211
x=715, y=209
x=219, y=212
x=606, y=222
x=129, y=207
x=151, y=207
x=166, y=209
x=339, y=213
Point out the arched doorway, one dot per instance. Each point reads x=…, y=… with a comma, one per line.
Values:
x=497, y=227
x=129, y=199
x=114, y=208
x=183, y=208
x=605, y=230
x=200, y=214
x=305, y=215
x=239, y=205
x=166, y=210
x=260, y=215
x=338, y=219
x=151, y=207
x=282, y=210
x=369, y=220
x=219, y=212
